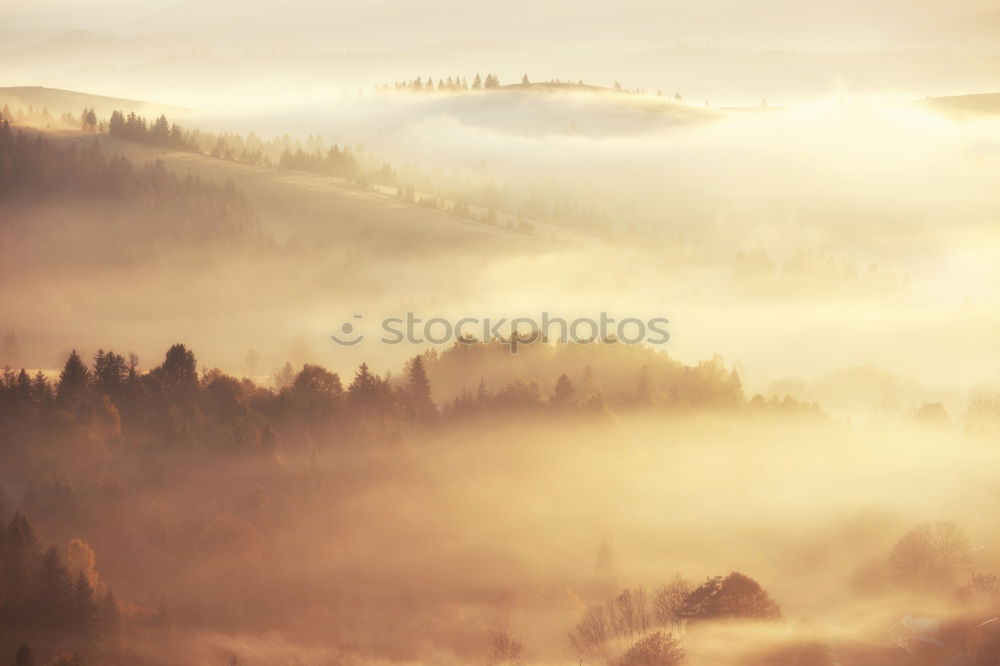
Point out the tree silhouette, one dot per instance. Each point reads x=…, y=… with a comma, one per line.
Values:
x=116, y=124
x=88, y=120
x=108, y=617
x=179, y=368
x=23, y=656
x=316, y=392
x=159, y=133
x=420, y=403
x=110, y=373
x=54, y=591
x=656, y=649
x=668, y=602
x=732, y=596
x=929, y=556
x=72, y=381
x=83, y=605
x=505, y=650
x=562, y=396
x=363, y=391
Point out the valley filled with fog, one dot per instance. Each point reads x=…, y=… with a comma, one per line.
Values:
x=199, y=204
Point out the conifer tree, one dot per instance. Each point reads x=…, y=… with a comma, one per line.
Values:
x=72, y=380
x=23, y=656
x=419, y=392
x=562, y=396
x=83, y=606
x=364, y=388
x=108, y=619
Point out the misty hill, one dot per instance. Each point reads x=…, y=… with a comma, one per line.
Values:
x=13, y=40
x=555, y=86
x=541, y=109
x=153, y=66
x=987, y=103
x=308, y=208
x=359, y=209
x=59, y=101
x=84, y=50
x=55, y=200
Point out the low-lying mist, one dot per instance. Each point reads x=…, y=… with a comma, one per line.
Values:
x=800, y=475
x=413, y=549
x=859, y=230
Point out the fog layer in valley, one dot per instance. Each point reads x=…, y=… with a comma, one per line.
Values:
x=193, y=468
x=841, y=235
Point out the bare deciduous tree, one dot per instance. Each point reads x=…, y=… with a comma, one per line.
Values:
x=656, y=649
x=668, y=601
x=505, y=650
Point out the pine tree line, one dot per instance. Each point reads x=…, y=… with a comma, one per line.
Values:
x=160, y=132
x=172, y=404
x=451, y=84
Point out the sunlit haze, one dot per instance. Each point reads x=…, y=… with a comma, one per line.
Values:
x=618, y=333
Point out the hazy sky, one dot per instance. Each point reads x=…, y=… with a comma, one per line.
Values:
x=586, y=25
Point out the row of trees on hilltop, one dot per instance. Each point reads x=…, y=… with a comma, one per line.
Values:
x=334, y=163
x=313, y=155
x=30, y=116
x=456, y=84
x=492, y=82
x=173, y=405
x=159, y=132
x=87, y=121
x=462, y=197
x=572, y=376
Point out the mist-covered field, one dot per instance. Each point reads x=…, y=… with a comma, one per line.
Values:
x=212, y=451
